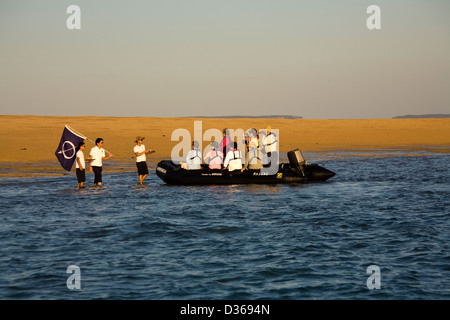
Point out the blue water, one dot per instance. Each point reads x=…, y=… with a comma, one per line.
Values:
x=302, y=241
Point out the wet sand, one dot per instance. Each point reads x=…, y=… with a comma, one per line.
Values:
x=28, y=143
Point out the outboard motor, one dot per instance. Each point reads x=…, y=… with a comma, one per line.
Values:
x=297, y=161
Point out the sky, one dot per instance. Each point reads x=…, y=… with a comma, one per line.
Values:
x=177, y=58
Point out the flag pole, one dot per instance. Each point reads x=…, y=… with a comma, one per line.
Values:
x=82, y=135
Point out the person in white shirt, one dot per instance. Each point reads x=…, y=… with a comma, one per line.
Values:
x=98, y=155
x=80, y=165
x=233, y=159
x=141, y=164
x=270, y=143
x=193, y=158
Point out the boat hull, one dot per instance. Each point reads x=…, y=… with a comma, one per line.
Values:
x=172, y=173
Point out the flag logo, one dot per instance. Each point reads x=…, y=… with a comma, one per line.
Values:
x=68, y=151
x=68, y=147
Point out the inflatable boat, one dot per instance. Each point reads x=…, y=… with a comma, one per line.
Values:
x=296, y=171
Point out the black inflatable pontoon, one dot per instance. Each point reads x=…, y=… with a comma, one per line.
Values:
x=297, y=170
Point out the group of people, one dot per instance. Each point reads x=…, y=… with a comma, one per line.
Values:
x=97, y=155
x=227, y=156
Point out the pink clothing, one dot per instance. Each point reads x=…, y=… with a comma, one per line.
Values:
x=215, y=159
x=226, y=143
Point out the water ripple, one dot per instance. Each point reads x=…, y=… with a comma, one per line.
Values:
x=300, y=241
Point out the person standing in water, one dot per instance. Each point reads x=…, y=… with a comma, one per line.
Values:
x=141, y=159
x=80, y=165
x=98, y=154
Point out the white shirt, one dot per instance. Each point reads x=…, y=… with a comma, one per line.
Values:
x=139, y=149
x=80, y=155
x=234, y=160
x=97, y=156
x=194, y=159
x=271, y=142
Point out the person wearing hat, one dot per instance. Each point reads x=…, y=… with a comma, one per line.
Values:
x=214, y=157
x=193, y=158
x=141, y=164
x=252, y=158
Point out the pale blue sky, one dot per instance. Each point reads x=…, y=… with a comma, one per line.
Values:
x=313, y=58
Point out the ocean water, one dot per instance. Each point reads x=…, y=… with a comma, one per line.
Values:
x=289, y=242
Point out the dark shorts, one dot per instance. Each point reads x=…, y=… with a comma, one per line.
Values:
x=142, y=168
x=81, y=175
x=98, y=174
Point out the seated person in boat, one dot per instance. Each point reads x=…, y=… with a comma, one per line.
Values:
x=233, y=160
x=252, y=159
x=214, y=157
x=254, y=137
x=246, y=140
x=193, y=158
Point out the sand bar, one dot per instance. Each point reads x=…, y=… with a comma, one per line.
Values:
x=28, y=143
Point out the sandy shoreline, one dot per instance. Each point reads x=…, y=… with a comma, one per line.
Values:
x=28, y=143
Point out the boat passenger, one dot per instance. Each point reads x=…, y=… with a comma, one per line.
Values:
x=270, y=143
x=252, y=158
x=233, y=160
x=193, y=158
x=246, y=140
x=254, y=137
x=226, y=144
x=214, y=157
